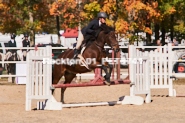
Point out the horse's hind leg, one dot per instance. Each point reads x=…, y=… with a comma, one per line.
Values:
x=68, y=78
x=56, y=75
x=13, y=72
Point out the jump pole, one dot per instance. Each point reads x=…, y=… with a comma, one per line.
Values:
x=118, y=65
x=90, y=84
x=113, y=64
x=99, y=78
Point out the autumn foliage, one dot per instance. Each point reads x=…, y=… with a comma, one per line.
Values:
x=127, y=16
x=119, y=13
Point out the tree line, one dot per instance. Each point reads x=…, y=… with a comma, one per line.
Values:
x=129, y=17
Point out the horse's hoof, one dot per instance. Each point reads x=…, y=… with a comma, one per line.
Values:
x=107, y=83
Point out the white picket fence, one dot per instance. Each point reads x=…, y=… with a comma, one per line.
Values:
x=39, y=80
x=39, y=76
x=161, y=66
x=139, y=72
x=147, y=70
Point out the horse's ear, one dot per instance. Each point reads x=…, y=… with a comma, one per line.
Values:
x=112, y=29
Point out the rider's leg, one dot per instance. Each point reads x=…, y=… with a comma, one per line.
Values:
x=5, y=58
x=24, y=55
x=80, y=39
x=79, y=42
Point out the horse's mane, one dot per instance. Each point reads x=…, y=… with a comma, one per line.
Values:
x=104, y=28
x=89, y=39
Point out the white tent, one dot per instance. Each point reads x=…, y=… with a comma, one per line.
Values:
x=43, y=39
x=39, y=39
x=4, y=38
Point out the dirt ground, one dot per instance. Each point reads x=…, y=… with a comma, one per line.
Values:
x=162, y=109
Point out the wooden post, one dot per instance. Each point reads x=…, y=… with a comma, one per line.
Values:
x=118, y=65
x=113, y=64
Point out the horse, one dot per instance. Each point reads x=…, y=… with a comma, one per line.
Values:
x=94, y=49
x=11, y=66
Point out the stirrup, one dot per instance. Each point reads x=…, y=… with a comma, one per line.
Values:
x=75, y=54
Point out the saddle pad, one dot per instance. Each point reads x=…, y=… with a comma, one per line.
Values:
x=82, y=50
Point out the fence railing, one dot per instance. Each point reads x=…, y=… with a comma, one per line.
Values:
x=161, y=51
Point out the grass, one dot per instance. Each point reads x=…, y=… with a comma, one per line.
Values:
x=4, y=72
x=7, y=83
x=4, y=78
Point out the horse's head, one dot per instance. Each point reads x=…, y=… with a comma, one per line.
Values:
x=112, y=42
x=108, y=35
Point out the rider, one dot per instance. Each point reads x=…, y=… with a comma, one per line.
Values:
x=25, y=43
x=89, y=30
x=11, y=43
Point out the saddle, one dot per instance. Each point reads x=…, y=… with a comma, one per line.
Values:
x=89, y=38
x=10, y=54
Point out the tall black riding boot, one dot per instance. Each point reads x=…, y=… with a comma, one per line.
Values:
x=75, y=55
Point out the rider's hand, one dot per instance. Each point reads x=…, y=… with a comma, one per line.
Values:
x=93, y=33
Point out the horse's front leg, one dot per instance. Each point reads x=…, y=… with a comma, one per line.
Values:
x=62, y=94
x=9, y=73
x=107, y=73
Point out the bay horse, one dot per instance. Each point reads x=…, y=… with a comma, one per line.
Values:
x=94, y=49
x=11, y=67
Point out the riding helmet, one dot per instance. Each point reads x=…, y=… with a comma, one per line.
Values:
x=26, y=35
x=102, y=15
x=13, y=36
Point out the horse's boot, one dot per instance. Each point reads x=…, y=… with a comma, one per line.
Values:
x=24, y=58
x=107, y=80
x=75, y=55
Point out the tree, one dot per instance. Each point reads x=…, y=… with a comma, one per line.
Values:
x=68, y=12
x=25, y=16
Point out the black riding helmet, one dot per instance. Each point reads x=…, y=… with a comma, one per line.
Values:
x=26, y=35
x=13, y=36
x=102, y=15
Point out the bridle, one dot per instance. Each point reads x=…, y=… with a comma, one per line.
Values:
x=98, y=45
x=112, y=45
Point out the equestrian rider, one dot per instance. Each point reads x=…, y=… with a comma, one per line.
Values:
x=11, y=43
x=25, y=43
x=89, y=30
